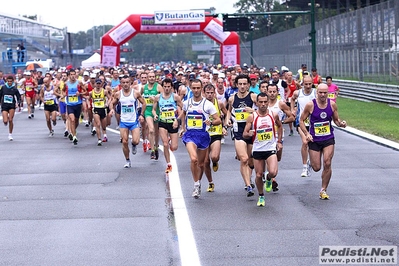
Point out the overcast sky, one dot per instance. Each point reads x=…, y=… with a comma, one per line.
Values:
x=82, y=15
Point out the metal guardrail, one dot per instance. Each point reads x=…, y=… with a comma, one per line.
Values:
x=365, y=91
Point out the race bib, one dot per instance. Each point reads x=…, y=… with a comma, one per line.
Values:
x=278, y=97
x=28, y=88
x=99, y=103
x=264, y=134
x=215, y=130
x=194, y=121
x=322, y=129
x=241, y=115
x=127, y=108
x=73, y=99
x=49, y=102
x=167, y=115
x=8, y=99
x=149, y=101
x=331, y=95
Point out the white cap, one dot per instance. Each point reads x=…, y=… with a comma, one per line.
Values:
x=221, y=75
x=215, y=72
x=92, y=75
x=86, y=73
x=27, y=73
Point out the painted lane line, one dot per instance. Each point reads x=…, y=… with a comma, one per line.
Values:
x=187, y=246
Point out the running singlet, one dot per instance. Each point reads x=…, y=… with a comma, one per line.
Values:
x=275, y=109
x=147, y=93
x=265, y=138
x=128, y=107
x=29, y=84
x=115, y=83
x=189, y=94
x=292, y=88
x=239, y=113
x=167, y=108
x=216, y=130
x=99, y=99
x=197, y=113
x=303, y=99
x=49, y=97
x=320, y=122
x=71, y=91
x=332, y=92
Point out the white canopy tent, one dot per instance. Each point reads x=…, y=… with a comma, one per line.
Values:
x=92, y=61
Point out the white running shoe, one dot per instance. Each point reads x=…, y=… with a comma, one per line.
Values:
x=197, y=191
x=304, y=172
x=10, y=137
x=127, y=165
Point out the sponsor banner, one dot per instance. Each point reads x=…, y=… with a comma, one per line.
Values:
x=216, y=31
x=148, y=25
x=177, y=17
x=229, y=55
x=364, y=255
x=122, y=32
x=108, y=57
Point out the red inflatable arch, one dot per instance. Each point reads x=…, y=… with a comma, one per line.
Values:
x=134, y=24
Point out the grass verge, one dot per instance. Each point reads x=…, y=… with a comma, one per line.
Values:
x=375, y=118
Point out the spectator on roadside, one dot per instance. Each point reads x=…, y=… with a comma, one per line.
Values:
x=9, y=55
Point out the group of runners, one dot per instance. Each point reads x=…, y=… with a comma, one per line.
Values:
x=201, y=106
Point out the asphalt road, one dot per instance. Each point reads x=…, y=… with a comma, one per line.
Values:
x=76, y=205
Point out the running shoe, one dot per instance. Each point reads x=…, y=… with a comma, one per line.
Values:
x=134, y=149
x=93, y=132
x=222, y=140
x=168, y=168
x=127, y=164
x=66, y=133
x=274, y=186
x=215, y=166
x=261, y=201
x=10, y=137
x=250, y=191
x=99, y=142
x=309, y=168
x=51, y=133
x=30, y=116
x=54, y=123
x=75, y=140
x=324, y=195
x=268, y=185
x=87, y=124
x=105, y=139
x=156, y=155
x=211, y=187
x=252, y=185
x=144, y=146
x=304, y=172
x=33, y=115
x=197, y=191
x=70, y=136
x=291, y=133
x=152, y=156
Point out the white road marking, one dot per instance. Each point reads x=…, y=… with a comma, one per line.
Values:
x=187, y=246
